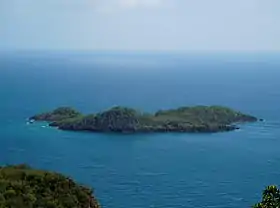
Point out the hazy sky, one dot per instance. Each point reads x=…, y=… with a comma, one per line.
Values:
x=140, y=24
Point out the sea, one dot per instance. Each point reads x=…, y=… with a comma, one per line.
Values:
x=218, y=170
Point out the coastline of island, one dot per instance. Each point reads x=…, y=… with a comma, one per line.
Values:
x=196, y=119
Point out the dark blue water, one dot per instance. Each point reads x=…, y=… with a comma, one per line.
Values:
x=160, y=170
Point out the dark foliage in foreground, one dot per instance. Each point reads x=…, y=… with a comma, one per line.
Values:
x=24, y=187
x=270, y=198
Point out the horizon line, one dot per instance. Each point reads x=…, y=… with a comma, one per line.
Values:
x=136, y=51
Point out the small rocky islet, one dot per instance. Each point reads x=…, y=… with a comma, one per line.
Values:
x=196, y=119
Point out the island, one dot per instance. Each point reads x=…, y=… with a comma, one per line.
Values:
x=196, y=119
x=25, y=187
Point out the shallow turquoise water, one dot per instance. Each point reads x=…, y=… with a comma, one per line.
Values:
x=156, y=170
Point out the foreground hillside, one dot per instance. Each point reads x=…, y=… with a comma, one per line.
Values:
x=24, y=187
x=124, y=120
x=270, y=198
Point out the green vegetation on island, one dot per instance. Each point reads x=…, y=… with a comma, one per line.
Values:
x=270, y=198
x=24, y=187
x=128, y=120
x=58, y=114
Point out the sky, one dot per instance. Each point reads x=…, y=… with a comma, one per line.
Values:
x=149, y=25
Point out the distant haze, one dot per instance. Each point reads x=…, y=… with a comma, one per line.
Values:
x=160, y=25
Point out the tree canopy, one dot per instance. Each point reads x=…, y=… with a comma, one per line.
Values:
x=24, y=187
x=270, y=198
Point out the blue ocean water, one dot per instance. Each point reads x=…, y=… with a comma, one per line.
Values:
x=224, y=170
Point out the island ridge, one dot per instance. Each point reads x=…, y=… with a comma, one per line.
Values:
x=127, y=120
